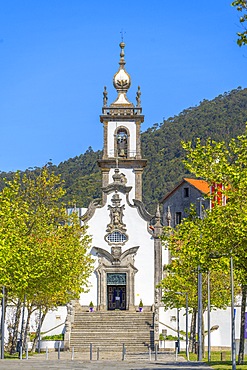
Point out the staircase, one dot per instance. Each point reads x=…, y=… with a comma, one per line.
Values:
x=108, y=330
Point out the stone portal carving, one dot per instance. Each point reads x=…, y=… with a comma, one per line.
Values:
x=118, y=264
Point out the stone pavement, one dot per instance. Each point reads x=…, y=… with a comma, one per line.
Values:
x=39, y=362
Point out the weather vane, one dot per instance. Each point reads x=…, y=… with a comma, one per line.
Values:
x=122, y=34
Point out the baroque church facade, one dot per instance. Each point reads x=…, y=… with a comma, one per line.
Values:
x=127, y=252
x=126, y=248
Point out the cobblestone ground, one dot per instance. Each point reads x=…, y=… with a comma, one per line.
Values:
x=137, y=362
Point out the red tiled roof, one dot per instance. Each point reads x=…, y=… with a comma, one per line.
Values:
x=201, y=185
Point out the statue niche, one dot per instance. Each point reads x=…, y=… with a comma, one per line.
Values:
x=122, y=143
x=116, y=215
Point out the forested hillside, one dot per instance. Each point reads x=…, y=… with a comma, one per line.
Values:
x=221, y=118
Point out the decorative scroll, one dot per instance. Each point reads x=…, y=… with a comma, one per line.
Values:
x=116, y=257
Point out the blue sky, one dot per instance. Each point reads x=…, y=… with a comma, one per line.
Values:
x=56, y=56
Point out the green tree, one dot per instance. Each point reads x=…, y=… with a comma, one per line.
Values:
x=241, y=6
x=189, y=249
x=225, y=228
x=43, y=251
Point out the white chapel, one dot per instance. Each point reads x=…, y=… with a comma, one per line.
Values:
x=126, y=249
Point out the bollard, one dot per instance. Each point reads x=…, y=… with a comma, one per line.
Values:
x=46, y=353
x=150, y=353
x=73, y=353
x=20, y=353
x=26, y=352
x=156, y=352
x=176, y=353
x=98, y=354
x=223, y=356
x=123, y=352
x=58, y=351
x=91, y=352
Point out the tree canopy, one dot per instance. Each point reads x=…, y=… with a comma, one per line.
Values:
x=222, y=233
x=44, y=253
x=241, y=6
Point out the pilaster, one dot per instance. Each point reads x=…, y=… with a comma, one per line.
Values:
x=138, y=140
x=105, y=182
x=138, y=183
x=105, y=140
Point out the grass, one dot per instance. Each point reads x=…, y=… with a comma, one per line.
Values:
x=216, y=362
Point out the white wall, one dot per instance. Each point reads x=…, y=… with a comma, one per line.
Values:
x=222, y=318
x=54, y=322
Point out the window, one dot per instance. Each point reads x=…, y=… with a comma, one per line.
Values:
x=178, y=217
x=186, y=192
x=116, y=237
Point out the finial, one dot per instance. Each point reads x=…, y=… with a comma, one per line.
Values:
x=157, y=220
x=122, y=34
x=105, y=97
x=121, y=81
x=122, y=61
x=168, y=216
x=138, y=97
x=117, y=176
x=157, y=214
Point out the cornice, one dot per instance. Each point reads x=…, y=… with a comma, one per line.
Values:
x=122, y=163
x=138, y=118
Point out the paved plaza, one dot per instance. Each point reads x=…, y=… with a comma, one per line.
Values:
x=40, y=362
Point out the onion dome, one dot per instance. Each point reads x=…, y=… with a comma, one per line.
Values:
x=121, y=80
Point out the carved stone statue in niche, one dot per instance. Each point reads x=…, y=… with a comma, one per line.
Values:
x=122, y=143
x=116, y=215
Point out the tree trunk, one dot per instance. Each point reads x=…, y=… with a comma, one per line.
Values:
x=192, y=341
x=27, y=327
x=14, y=336
x=43, y=314
x=242, y=326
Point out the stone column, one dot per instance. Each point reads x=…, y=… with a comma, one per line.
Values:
x=157, y=272
x=68, y=323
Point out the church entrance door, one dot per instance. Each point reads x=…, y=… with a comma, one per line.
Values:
x=116, y=297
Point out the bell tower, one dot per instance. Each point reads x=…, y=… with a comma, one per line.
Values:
x=122, y=138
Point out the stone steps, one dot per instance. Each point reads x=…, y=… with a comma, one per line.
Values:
x=108, y=330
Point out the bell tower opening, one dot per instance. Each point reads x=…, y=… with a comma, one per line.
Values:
x=122, y=143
